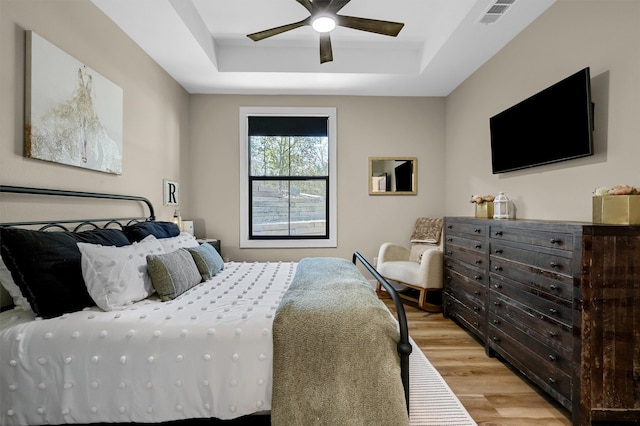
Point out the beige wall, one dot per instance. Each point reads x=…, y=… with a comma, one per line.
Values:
x=155, y=107
x=367, y=127
x=194, y=139
x=572, y=34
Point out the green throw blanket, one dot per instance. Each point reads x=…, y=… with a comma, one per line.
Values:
x=335, y=358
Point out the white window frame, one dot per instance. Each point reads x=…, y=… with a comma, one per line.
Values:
x=330, y=113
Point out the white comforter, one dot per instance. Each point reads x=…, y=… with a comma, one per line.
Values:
x=207, y=353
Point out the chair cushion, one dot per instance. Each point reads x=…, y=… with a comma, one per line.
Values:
x=418, y=249
x=404, y=271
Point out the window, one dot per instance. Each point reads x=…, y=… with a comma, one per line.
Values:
x=288, y=177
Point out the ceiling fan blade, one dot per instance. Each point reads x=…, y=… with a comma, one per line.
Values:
x=261, y=35
x=326, y=54
x=321, y=4
x=371, y=25
x=307, y=5
x=336, y=5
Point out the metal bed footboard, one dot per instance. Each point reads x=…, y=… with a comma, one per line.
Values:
x=404, y=346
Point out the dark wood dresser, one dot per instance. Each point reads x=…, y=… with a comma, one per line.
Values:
x=559, y=301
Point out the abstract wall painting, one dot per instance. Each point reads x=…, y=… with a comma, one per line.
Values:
x=73, y=115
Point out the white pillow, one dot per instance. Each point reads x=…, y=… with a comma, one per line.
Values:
x=184, y=240
x=117, y=276
x=6, y=280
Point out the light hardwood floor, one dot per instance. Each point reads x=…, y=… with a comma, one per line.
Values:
x=491, y=391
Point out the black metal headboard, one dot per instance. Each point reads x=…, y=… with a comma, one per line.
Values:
x=79, y=223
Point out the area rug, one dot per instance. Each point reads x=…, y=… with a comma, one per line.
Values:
x=431, y=401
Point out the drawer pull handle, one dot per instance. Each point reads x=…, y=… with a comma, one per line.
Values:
x=449, y=252
x=477, y=230
x=498, y=251
x=553, y=334
x=449, y=239
x=496, y=303
x=448, y=265
x=476, y=323
x=553, y=287
x=477, y=293
x=477, y=277
x=552, y=357
x=478, y=262
x=498, y=268
x=495, y=322
x=551, y=380
x=495, y=338
x=497, y=286
x=553, y=311
x=449, y=226
x=555, y=241
x=475, y=308
x=478, y=246
x=554, y=265
x=498, y=233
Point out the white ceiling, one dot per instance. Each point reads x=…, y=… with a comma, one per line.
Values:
x=202, y=44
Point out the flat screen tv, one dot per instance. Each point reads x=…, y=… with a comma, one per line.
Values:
x=553, y=125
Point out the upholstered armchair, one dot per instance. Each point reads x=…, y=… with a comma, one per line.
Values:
x=419, y=267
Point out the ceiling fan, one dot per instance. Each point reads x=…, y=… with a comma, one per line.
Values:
x=324, y=17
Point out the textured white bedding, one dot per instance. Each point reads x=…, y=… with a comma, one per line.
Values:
x=208, y=353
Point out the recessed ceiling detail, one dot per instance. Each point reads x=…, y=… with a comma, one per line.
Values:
x=203, y=44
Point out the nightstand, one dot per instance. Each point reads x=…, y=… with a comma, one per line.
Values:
x=215, y=243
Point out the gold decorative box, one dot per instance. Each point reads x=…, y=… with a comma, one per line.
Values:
x=617, y=209
x=484, y=210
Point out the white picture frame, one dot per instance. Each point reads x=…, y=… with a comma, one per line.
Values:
x=171, y=191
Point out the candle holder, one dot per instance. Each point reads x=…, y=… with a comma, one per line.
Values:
x=501, y=207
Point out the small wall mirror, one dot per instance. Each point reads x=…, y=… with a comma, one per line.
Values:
x=393, y=175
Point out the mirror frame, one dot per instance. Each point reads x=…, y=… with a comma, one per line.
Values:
x=414, y=179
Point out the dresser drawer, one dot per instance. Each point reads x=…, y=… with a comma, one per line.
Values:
x=464, y=242
x=541, y=306
x=543, y=328
x=551, y=262
x=557, y=240
x=471, y=229
x=470, y=257
x=468, y=271
x=471, y=319
x=544, y=281
x=548, y=369
x=463, y=287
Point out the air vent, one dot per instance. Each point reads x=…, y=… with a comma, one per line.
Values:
x=495, y=11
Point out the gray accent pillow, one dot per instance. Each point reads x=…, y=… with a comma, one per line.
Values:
x=207, y=260
x=172, y=273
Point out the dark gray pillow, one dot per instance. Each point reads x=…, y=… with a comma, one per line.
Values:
x=172, y=273
x=46, y=266
x=207, y=259
x=138, y=231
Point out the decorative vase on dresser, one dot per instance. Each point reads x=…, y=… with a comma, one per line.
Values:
x=559, y=301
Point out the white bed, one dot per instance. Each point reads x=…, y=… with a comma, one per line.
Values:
x=225, y=321
x=108, y=343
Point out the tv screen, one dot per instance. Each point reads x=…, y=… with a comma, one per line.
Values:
x=553, y=125
x=404, y=177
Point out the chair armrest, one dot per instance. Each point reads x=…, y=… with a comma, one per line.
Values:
x=391, y=252
x=431, y=268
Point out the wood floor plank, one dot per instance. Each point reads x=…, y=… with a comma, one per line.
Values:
x=491, y=390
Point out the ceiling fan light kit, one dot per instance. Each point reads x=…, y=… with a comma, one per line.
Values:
x=323, y=24
x=324, y=17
